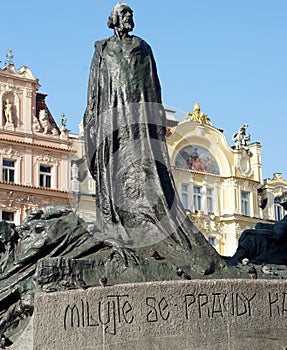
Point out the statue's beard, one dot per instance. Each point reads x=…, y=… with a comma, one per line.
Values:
x=127, y=26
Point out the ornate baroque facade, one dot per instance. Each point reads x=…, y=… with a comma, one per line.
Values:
x=34, y=152
x=221, y=185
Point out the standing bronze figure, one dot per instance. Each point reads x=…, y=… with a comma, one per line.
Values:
x=126, y=151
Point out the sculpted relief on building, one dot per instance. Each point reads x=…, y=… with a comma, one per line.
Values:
x=34, y=169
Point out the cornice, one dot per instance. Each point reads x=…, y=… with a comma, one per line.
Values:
x=38, y=145
x=214, y=175
x=39, y=190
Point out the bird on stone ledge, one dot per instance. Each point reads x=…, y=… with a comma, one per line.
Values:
x=103, y=281
x=252, y=273
x=153, y=253
x=211, y=269
x=245, y=261
x=267, y=270
x=4, y=342
x=183, y=274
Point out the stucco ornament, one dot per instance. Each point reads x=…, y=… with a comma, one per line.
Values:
x=198, y=116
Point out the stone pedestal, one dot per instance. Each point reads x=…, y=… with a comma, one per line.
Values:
x=200, y=315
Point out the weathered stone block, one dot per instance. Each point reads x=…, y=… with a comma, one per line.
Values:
x=182, y=315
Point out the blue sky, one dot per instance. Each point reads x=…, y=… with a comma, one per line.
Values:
x=230, y=56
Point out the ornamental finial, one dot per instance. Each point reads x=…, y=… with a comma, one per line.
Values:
x=196, y=106
x=197, y=116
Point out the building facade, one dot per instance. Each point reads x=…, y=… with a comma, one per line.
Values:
x=34, y=152
x=221, y=186
x=269, y=197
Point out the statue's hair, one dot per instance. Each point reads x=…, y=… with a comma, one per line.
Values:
x=114, y=18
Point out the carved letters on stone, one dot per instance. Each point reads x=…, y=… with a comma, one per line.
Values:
x=166, y=314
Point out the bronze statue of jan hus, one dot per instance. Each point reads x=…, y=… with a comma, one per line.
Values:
x=125, y=127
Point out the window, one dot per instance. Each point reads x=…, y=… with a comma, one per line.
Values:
x=209, y=200
x=8, y=168
x=278, y=209
x=45, y=176
x=212, y=241
x=7, y=215
x=245, y=203
x=184, y=195
x=197, y=198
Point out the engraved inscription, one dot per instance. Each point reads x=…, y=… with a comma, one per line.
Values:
x=158, y=310
x=110, y=313
x=277, y=304
x=114, y=314
x=218, y=305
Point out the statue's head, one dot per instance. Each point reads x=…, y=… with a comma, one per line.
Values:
x=121, y=18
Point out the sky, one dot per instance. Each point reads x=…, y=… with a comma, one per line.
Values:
x=230, y=56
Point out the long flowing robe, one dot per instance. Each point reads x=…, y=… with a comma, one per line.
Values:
x=126, y=150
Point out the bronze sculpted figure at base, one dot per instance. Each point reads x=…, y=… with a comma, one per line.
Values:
x=265, y=243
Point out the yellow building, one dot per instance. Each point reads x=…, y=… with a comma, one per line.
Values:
x=218, y=184
x=269, y=196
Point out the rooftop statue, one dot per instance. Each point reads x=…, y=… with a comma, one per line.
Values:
x=241, y=138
